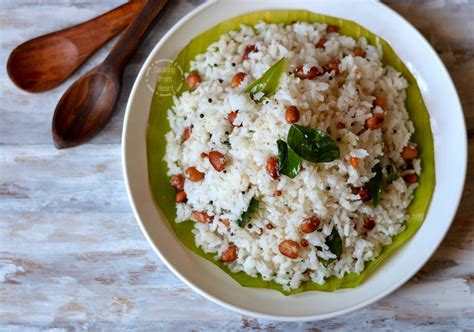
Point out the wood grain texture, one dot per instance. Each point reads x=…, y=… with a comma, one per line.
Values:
x=44, y=62
x=72, y=256
x=86, y=106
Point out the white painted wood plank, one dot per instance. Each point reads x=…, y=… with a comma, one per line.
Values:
x=443, y=305
x=62, y=181
x=72, y=256
x=83, y=264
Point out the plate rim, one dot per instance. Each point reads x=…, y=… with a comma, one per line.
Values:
x=290, y=318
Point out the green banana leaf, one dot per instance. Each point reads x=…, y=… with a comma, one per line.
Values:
x=158, y=125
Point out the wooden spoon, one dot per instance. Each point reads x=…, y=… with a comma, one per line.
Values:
x=44, y=62
x=85, y=108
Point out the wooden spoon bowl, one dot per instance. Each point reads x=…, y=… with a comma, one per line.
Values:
x=86, y=106
x=44, y=62
x=90, y=102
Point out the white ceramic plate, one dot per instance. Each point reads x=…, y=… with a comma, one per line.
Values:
x=450, y=153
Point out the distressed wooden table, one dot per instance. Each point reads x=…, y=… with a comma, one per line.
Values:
x=72, y=255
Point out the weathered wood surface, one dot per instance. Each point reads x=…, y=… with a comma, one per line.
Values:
x=72, y=255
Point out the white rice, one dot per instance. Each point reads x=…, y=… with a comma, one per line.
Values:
x=322, y=189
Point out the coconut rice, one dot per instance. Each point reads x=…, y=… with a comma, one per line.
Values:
x=340, y=102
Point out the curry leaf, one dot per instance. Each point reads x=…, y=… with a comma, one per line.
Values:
x=247, y=215
x=391, y=174
x=268, y=82
x=374, y=186
x=334, y=242
x=290, y=162
x=314, y=145
x=326, y=262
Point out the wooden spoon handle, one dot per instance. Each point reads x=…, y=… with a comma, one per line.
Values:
x=92, y=34
x=44, y=62
x=132, y=37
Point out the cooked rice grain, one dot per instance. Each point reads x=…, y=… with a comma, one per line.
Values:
x=322, y=189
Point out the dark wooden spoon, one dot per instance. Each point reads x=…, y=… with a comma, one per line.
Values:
x=85, y=108
x=44, y=62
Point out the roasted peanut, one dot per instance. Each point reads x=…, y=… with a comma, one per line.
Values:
x=375, y=122
x=310, y=74
x=409, y=152
x=321, y=42
x=203, y=217
x=229, y=254
x=333, y=65
x=193, y=174
x=217, y=160
x=181, y=197
x=369, y=224
x=193, y=79
x=381, y=101
x=310, y=224
x=187, y=133
x=411, y=178
x=289, y=248
x=177, y=181
x=272, y=167
x=358, y=52
x=237, y=79
x=231, y=118
x=292, y=114
x=248, y=49
x=363, y=194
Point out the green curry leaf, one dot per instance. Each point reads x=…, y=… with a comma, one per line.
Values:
x=374, y=186
x=326, y=262
x=290, y=162
x=268, y=82
x=314, y=145
x=391, y=174
x=334, y=242
x=247, y=215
